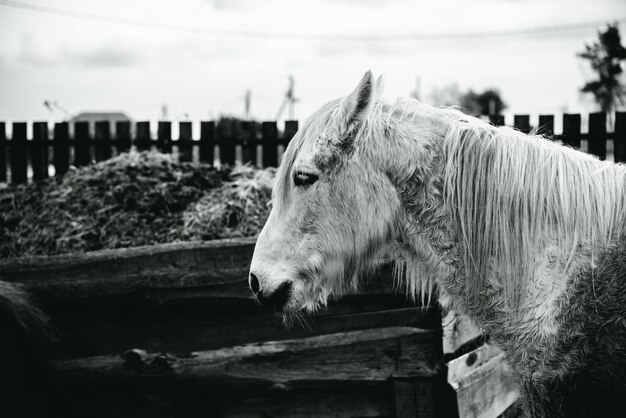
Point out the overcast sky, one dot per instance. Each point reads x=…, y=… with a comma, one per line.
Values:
x=98, y=65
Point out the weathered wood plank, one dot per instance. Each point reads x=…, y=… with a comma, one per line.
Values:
x=457, y=330
x=208, y=269
x=108, y=272
x=180, y=332
x=482, y=382
x=370, y=355
x=414, y=398
x=353, y=400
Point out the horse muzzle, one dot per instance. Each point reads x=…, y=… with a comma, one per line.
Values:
x=274, y=300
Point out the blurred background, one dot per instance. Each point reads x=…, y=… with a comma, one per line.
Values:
x=200, y=59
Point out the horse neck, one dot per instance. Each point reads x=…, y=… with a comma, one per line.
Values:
x=581, y=204
x=414, y=161
x=518, y=203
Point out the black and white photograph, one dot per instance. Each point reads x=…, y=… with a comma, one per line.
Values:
x=312, y=209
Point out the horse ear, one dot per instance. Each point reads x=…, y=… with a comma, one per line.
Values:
x=380, y=86
x=358, y=104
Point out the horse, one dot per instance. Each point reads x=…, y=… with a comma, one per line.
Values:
x=27, y=338
x=522, y=234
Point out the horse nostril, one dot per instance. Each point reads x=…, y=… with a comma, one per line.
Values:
x=277, y=299
x=254, y=283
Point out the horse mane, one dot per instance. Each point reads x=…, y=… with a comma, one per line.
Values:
x=513, y=196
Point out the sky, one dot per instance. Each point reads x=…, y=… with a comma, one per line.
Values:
x=198, y=57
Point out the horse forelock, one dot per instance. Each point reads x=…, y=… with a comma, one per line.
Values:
x=326, y=141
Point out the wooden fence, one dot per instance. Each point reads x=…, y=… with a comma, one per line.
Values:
x=171, y=331
x=22, y=159
x=258, y=143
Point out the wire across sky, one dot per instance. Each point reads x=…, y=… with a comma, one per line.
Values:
x=540, y=30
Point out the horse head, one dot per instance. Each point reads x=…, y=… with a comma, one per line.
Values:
x=337, y=201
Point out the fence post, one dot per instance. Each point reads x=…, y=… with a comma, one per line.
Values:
x=596, y=141
x=103, y=140
x=185, y=144
x=39, y=151
x=571, y=130
x=546, y=126
x=164, y=136
x=19, y=173
x=496, y=120
x=61, y=148
x=270, y=144
x=122, y=136
x=226, y=141
x=143, y=140
x=522, y=123
x=207, y=141
x=3, y=152
x=248, y=146
x=291, y=128
x=82, y=144
x=619, y=137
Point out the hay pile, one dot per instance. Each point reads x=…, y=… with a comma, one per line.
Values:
x=133, y=199
x=237, y=209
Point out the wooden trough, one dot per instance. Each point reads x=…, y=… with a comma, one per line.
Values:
x=171, y=331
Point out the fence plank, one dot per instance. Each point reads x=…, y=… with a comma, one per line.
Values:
x=546, y=126
x=457, y=330
x=61, y=148
x=19, y=157
x=571, y=130
x=122, y=135
x=270, y=144
x=483, y=383
x=371, y=400
x=496, y=120
x=207, y=323
x=227, y=141
x=619, y=138
x=291, y=128
x=103, y=140
x=367, y=355
x=82, y=144
x=273, y=401
x=109, y=272
x=39, y=151
x=3, y=152
x=248, y=147
x=597, y=135
x=164, y=136
x=522, y=123
x=143, y=139
x=185, y=141
x=207, y=141
x=414, y=398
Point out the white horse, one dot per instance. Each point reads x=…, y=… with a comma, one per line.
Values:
x=523, y=235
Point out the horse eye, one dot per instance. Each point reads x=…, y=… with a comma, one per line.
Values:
x=304, y=179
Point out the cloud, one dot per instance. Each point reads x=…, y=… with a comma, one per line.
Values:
x=38, y=52
x=33, y=53
x=102, y=56
x=236, y=4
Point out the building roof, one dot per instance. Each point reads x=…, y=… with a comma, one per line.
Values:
x=99, y=116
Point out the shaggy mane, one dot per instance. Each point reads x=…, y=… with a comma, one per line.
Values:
x=513, y=196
